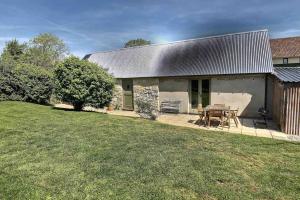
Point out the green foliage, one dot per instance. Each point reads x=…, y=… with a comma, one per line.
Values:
x=26, y=83
x=137, y=42
x=81, y=83
x=14, y=49
x=45, y=50
x=12, y=54
x=23, y=74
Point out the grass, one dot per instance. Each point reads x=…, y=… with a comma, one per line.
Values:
x=55, y=154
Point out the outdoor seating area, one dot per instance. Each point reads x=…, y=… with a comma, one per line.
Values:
x=246, y=126
x=217, y=112
x=220, y=117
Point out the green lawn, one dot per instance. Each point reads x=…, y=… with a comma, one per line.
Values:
x=57, y=154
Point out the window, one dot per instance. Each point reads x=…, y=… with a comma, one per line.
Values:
x=285, y=60
x=205, y=92
x=194, y=93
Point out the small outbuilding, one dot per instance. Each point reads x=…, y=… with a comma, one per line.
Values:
x=286, y=99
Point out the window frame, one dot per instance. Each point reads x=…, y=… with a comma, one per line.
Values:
x=285, y=60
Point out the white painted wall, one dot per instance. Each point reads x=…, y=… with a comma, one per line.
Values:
x=290, y=61
x=175, y=89
x=247, y=93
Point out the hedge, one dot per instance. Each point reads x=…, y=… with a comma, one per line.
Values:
x=26, y=83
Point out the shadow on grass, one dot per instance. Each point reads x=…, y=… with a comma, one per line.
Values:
x=73, y=110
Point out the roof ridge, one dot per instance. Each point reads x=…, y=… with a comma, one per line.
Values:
x=286, y=67
x=178, y=41
x=285, y=38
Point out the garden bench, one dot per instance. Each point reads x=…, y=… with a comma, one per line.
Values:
x=170, y=106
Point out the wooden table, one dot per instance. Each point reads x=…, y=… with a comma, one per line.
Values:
x=216, y=108
x=220, y=108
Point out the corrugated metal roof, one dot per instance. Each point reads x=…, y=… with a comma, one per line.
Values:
x=239, y=53
x=287, y=74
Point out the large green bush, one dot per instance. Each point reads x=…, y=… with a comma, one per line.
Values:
x=26, y=83
x=82, y=83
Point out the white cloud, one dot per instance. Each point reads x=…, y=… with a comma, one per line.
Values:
x=62, y=28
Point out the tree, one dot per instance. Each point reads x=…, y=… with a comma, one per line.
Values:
x=82, y=83
x=46, y=50
x=14, y=49
x=12, y=54
x=137, y=42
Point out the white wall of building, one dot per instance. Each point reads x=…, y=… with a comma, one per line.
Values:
x=246, y=93
x=175, y=89
x=290, y=60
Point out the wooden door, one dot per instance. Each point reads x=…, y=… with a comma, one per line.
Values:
x=127, y=85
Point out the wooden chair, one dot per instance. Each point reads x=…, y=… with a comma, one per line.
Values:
x=227, y=117
x=216, y=114
x=201, y=112
x=233, y=115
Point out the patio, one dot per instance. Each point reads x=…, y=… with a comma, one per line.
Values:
x=246, y=126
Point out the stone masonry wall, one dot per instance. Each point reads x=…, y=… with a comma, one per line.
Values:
x=117, y=100
x=148, y=88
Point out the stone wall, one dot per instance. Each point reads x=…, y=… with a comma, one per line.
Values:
x=117, y=100
x=146, y=88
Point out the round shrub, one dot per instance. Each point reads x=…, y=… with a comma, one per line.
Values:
x=82, y=83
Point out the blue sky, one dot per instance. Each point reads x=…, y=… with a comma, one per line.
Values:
x=96, y=25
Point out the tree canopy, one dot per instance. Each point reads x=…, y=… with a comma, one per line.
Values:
x=14, y=49
x=46, y=50
x=137, y=42
x=12, y=53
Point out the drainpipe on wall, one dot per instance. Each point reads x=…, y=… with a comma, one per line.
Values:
x=266, y=91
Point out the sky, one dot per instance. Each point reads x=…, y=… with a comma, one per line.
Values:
x=88, y=26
